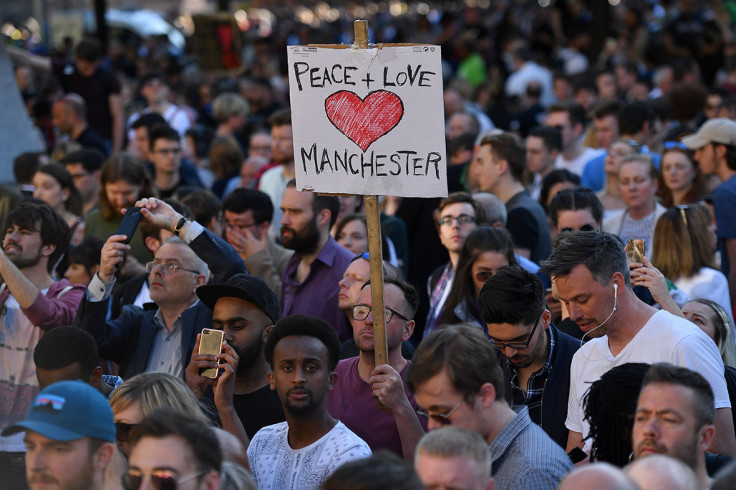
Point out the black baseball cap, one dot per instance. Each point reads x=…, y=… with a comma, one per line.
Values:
x=243, y=286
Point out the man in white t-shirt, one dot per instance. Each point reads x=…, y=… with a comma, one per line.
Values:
x=303, y=451
x=569, y=118
x=154, y=88
x=591, y=273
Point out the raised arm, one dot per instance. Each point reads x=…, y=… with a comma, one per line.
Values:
x=220, y=257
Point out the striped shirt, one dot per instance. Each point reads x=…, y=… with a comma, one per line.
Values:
x=523, y=456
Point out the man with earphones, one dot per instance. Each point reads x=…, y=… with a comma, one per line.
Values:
x=591, y=273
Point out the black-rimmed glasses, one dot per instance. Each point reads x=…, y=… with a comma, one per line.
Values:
x=518, y=345
x=463, y=219
x=361, y=312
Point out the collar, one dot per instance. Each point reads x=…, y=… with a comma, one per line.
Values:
x=158, y=317
x=329, y=252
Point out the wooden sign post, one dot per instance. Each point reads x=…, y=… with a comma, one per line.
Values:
x=375, y=250
x=368, y=120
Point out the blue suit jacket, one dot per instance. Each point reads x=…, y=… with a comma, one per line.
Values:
x=128, y=339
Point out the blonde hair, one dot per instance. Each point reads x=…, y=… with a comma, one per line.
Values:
x=724, y=331
x=157, y=390
x=681, y=246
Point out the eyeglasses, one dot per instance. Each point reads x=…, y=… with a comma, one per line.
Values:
x=442, y=418
x=167, y=268
x=122, y=431
x=669, y=145
x=236, y=226
x=683, y=215
x=585, y=227
x=518, y=345
x=160, y=479
x=463, y=219
x=360, y=313
x=166, y=151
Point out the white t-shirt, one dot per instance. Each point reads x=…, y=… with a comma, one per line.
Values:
x=277, y=466
x=664, y=338
x=176, y=117
x=18, y=382
x=577, y=165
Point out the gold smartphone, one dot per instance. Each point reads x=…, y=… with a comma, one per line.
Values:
x=635, y=250
x=210, y=343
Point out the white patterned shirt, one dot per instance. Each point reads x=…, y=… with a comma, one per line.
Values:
x=277, y=466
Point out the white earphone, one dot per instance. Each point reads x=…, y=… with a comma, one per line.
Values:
x=615, y=288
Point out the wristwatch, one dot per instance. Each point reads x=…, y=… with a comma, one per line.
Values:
x=177, y=228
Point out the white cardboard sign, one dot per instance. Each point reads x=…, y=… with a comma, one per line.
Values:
x=368, y=121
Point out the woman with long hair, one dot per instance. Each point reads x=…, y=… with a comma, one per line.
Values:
x=715, y=321
x=680, y=178
x=486, y=250
x=53, y=184
x=684, y=243
x=123, y=181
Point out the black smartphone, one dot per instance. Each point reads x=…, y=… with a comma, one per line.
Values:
x=577, y=455
x=130, y=222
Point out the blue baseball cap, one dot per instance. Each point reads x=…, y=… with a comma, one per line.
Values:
x=66, y=411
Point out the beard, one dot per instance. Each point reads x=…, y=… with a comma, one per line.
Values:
x=22, y=262
x=306, y=407
x=524, y=360
x=686, y=453
x=248, y=355
x=302, y=242
x=82, y=480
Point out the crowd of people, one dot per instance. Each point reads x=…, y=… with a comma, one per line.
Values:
x=562, y=319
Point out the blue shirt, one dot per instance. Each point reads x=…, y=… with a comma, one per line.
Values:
x=523, y=456
x=724, y=203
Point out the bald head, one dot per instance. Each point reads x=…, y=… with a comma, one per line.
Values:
x=232, y=449
x=660, y=472
x=601, y=476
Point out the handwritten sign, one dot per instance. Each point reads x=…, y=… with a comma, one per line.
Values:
x=368, y=121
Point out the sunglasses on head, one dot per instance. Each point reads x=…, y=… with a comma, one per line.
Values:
x=160, y=479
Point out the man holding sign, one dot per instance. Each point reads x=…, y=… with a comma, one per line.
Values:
x=361, y=383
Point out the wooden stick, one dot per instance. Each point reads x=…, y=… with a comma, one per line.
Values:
x=375, y=251
x=374, y=242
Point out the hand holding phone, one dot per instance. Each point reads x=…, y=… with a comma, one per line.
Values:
x=210, y=343
x=129, y=224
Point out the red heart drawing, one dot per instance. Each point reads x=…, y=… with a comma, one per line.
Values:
x=364, y=120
